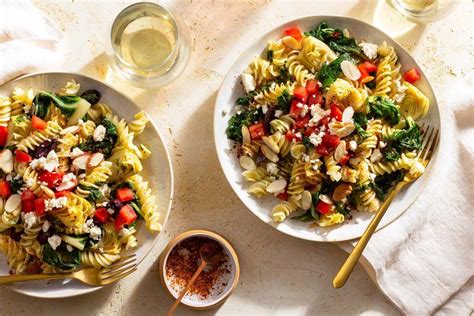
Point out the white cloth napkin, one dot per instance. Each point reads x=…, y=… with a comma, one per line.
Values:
x=28, y=40
x=424, y=262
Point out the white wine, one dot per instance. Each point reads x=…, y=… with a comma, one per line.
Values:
x=146, y=48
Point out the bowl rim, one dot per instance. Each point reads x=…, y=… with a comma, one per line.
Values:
x=207, y=233
x=166, y=152
x=221, y=155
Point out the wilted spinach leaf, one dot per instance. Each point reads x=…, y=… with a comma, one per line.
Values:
x=234, y=128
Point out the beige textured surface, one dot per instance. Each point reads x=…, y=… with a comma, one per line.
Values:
x=280, y=275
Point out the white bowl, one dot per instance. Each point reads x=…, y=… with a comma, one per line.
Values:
x=157, y=170
x=231, y=89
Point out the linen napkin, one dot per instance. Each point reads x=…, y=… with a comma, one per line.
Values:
x=424, y=262
x=28, y=40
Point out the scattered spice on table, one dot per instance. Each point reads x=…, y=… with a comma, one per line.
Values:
x=185, y=259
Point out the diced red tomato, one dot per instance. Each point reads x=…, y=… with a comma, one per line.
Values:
x=290, y=135
x=344, y=160
x=102, y=215
x=295, y=109
x=301, y=94
x=324, y=121
x=368, y=67
x=310, y=130
x=124, y=194
x=21, y=156
x=294, y=32
x=257, y=131
x=283, y=196
x=28, y=206
x=312, y=87
x=322, y=150
x=330, y=141
x=5, y=190
x=301, y=122
x=316, y=98
x=51, y=178
x=62, y=193
x=27, y=195
x=336, y=112
x=412, y=75
x=323, y=207
x=3, y=135
x=126, y=216
x=38, y=123
x=40, y=206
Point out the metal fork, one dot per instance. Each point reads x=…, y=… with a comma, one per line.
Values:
x=429, y=142
x=91, y=276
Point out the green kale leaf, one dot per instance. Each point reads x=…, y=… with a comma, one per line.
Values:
x=284, y=101
x=330, y=72
x=234, y=128
x=384, y=183
x=382, y=107
x=61, y=258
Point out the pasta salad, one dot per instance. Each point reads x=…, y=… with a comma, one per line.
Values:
x=71, y=193
x=327, y=125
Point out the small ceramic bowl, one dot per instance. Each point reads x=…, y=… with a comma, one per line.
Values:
x=218, y=294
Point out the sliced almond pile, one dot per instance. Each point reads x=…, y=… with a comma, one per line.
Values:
x=81, y=162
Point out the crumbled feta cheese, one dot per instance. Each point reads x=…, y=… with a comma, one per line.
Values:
x=298, y=135
x=299, y=105
x=55, y=203
x=54, y=241
x=382, y=144
x=46, y=226
x=304, y=110
x=30, y=182
x=99, y=133
x=90, y=222
x=76, y=152
x=49, y=163
x=264, y=108
x=68, y=177
x=80, y=122
x=124, y=232
x=318, y=113
x=105, y=190
x=369, y=49
x=30, y=219
x=36, y=163
x=400, y=88
x=376, y=155
x=248, y=81
x=316, y=139
x=278, y=113
x=305, y=157
x=110, y=211
x=95, y=233
x=272, y=168
x=69, y=248
x=8, y=177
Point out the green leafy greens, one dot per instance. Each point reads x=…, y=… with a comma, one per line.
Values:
x=382, y=107
x=66, y=103
x=336, y=40
x=61, y=258
x=284, y=101
x=384, y=183
x=408, y=139
x=360, y=123
x=330, y=72
x=107, y=144
x=234, y=129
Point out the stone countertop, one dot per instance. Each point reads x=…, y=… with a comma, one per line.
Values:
x=280, y=274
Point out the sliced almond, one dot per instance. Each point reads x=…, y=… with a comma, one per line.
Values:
x=247, y=163
x=341, y=191
x=6, y=161
x=353, y=145
x=246, y=135
x=70, y=130
x=270, y=142
x=326, y=199
x=340, y=150
x=291, y=42
x=95, y=160
x=13, y=203
x=306, y=200
x=348, y=114
x=350, y=70
x=81, y=162
x=67, y=185
x=276, y=186
x=269, y=154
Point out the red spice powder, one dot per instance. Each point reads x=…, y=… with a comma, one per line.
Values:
x=184, y=260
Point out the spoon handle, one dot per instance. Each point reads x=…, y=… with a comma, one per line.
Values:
x=186, y=289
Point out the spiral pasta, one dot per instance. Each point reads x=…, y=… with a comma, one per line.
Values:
x=415, y=103
x=282, y=124
x=36, y=138
x=403, y=163
x=98, y=260
x=137, y=126
x=297, y=69
x=148, y=203
x=314, y=53
x=283, y=210
x=16, y=255
x=298, y=178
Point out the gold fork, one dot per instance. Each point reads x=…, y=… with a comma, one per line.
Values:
x=91, y=276
x=430, y=139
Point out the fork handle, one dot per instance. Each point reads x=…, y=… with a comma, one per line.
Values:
x=351, y=261
x=6, y=279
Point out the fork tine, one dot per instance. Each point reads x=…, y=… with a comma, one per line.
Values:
x=118, y=265
x=429, y=153
x=117, y=271
x=425, y=141
x=118, y=277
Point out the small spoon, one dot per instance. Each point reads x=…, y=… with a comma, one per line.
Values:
x=210, y=253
